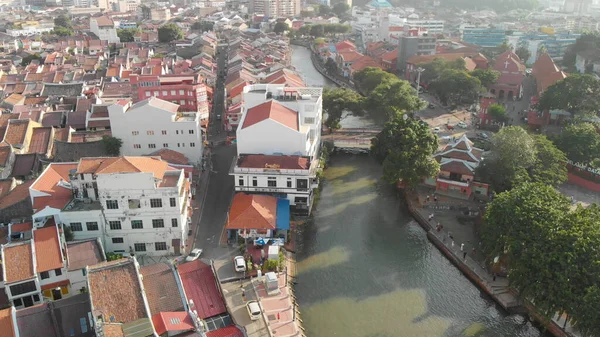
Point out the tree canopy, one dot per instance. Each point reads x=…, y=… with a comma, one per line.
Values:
x=27, y=59
x=580, y=142
x=63, y=21
x=280, y=27
x=62, y=31
x=523, y=53
x=127, y=34
x=434, y=69
x=203, y=26
x=487, y=77
x=577, y=94
x=369, y=78
x=169, y=32
x=112, y=145
x=340, y=100
x=456, y=86
x=340, y=8
x=324, y=10
x=587, y=40
x=519, y=157
x=405, y=147
x=497, y=111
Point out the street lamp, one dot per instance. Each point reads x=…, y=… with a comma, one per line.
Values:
x=419, y=71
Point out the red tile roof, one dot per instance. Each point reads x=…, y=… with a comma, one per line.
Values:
x=40, y=139
x=161, y=289
x=47, y=249
x=5, y=186
x=268, y=161
x=48, y=181
x=84, y=253
x=350, y=55
x=345, y=45
x=458, y=167
x=21, y=227
x=171, y=156
x=16, y=195
x=200, y=285
x=274, y=111
x=7, y=329
x=236, y=90
x=18, y=262
x=5, y=152
x=251, y=211
x=230, y=331
x=108, y=165
x=172, y=321
x=17, y=131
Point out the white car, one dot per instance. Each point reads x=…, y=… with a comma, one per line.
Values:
x=462, y=125
x=239, y=264
x=253, y=310
x=194, y=255
x=436, y=130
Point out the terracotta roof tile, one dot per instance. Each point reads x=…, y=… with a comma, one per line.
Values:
x=40, y=314
x=14, y=99
x=26, y=165
x=108, y=165
x=18, y=262
x=266, y=161
x=200, y=285
x=48, y=181
x=230, y=331
x=21, y=227
x=350, y=55
x=54, y=118
x=17, y=131
x=120, y=304
x=47, y=249
x=84, y=253
x=236, y=90
x=172, y=321
x=7, y=328
x=4, y=118
x=458, y=167
x=161, y=288
x=5, y=187
x=249, y=211
x=171, y=156
x=272, y=110
x=5, y=152
x=17, y=194
x=40, y=140
x=62, y=134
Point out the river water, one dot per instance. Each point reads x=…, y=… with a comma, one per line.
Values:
x=366, y=268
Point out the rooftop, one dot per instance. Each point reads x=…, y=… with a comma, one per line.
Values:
x=7, y=328
x=41, y=315
x=47, y=249
x=172, y=321
x=18, y=262
x=40, y=139
x=48, y=183
x=252, y=211
x=171, y=156
x=84, y=253
x=161, y=288
x=272, y=110
x=108, y=165
x=261, y=161
x=200, y=286
x=156, y=103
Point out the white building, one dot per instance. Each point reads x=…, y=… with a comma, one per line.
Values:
x=133, y=204
x=27, y=30
x=153, y=124
x=276, y=8
x=104, y=28
x=278, y=142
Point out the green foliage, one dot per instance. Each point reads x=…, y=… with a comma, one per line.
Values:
x=280, y=27
x=127, y=34
x=500, y=6
x=320, y=30
x=112, y=145
x=68, y=232
x=281, y=260
x=487, y=77
x=498, y=112
x=340, y=8
x=588, y=40
x=405, y=147
x=456, y=86
x=203, y=26
x=331, y=66
x=393, y=98
x=62, y=31
x=336, y=101
x=580, y=142
x=523, y=53
x=577, y=94
x=63, y=21
x=113, y=256
x=169, y=32
x=27, y=59
x=317, y=30
x=434, y=69
x=518, y=157
x=324, y=10
x=271, y=265
x=369, y=78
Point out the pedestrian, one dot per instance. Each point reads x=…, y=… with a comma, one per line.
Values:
x=452, y=243
x=473, y=251
x=464, y=255
x=462, y=247
x=435, y=198
x=278, y=316
x=450, y=235
x=494, y=277
x=427, y=198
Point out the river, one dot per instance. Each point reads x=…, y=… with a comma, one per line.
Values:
x=366, y=268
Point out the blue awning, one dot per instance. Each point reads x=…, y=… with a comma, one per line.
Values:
x=283, y=214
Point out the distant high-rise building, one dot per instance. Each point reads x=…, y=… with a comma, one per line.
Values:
x=276, y=8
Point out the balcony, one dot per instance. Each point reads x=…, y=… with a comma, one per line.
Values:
x=456, y=182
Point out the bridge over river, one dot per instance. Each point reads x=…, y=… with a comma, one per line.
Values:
x=351, y=138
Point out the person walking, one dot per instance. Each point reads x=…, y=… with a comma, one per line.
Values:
x=462, y=247
x=464, y=255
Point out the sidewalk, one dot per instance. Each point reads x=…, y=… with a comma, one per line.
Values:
x=201, y=188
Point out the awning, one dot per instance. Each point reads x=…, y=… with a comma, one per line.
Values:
x=283, y=214
x=55, y=285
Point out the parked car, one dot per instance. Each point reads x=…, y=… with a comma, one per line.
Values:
x=253, y=310
x=484, y=135
x=450, y=127
x=436, y=130
x=431, y=106
x=194, y=255
x=239, y=264
x=461, y=125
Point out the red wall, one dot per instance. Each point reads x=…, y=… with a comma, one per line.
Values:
x=590, y=185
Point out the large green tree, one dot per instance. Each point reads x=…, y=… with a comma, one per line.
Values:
x=486, y=76
x=127, y=34
x=549, y=167
x=63, y=21
x=523, y=53
x=340, y=8
x=317, y=30
x=580, y=142
x=393, y=98
x=434, y=69
x=169, y=32
x=338, y=101
x=62, y=31
x=280, y=27
x=577, y=94
x=405, y=147
x=369, y=78
x=203, y=26
x=498, y=112
x=456, y=87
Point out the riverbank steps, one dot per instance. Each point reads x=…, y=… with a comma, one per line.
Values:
x=497, y=288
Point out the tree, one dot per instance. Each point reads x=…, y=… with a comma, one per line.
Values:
x=62, y=31
x=331, y=66
x=127, y=34
x=338, y=101
x=523, y=53
x=63, y=21
x=340, y=8
x=324, y=10
x=549, y=167
x=486, y=76
x=112, y=145
x=317, y=30
x=576, y=94
x=405, y=147
x=280, y=27
x=498, y=112
x=393, y=98
x=304, y=30
x=587, y=40
x=169, y=32
x=456, y=86
x=203, y=26
x=432, y=70
x=504, y=46
x=369, y=78
x=580, y=142
x=27, y=59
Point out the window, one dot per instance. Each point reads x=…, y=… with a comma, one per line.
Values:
x=134, y=203
x=164, y=93
x=182, y=144
x=18, y=302
x=300, y=200
x=152, y=146
x=241, y=181
x=192, y=144
x=165, y=145
x=164, y=132
x=135, y=133
x=158, y=223
x=173, y=202
x=150, y=133
x=148, y=93
x=174, y=222
x=22, y=288
x=114, y=224
x=76, y=226
x=178, y=145
x=83, y=272
x=117, y=240
x=173, y=92
x=156, y=93
x=191, y=132
x=160, y=246
x=271, y=181
x=301, y=183
x=44, y=275
x=181, y=92
x=309, y=120
x=182, y=102
x=137, y=224
x=155, y=203
x=57, y=272
x=139, y=247
x=112, y=204
x=289, y=182
x=91, y=226
x=176, y=132
x=137, y=146
x=254, y=181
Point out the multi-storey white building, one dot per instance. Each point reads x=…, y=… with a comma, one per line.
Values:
x=104, y=28
x=153, y=124
x=278, y=142
x=133, y=204
x=276, y=8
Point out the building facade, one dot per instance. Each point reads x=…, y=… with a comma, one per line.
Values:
x=409, y=46
x=484, y=37
x=104, y=28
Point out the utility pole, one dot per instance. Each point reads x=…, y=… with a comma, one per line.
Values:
x=419, y=70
